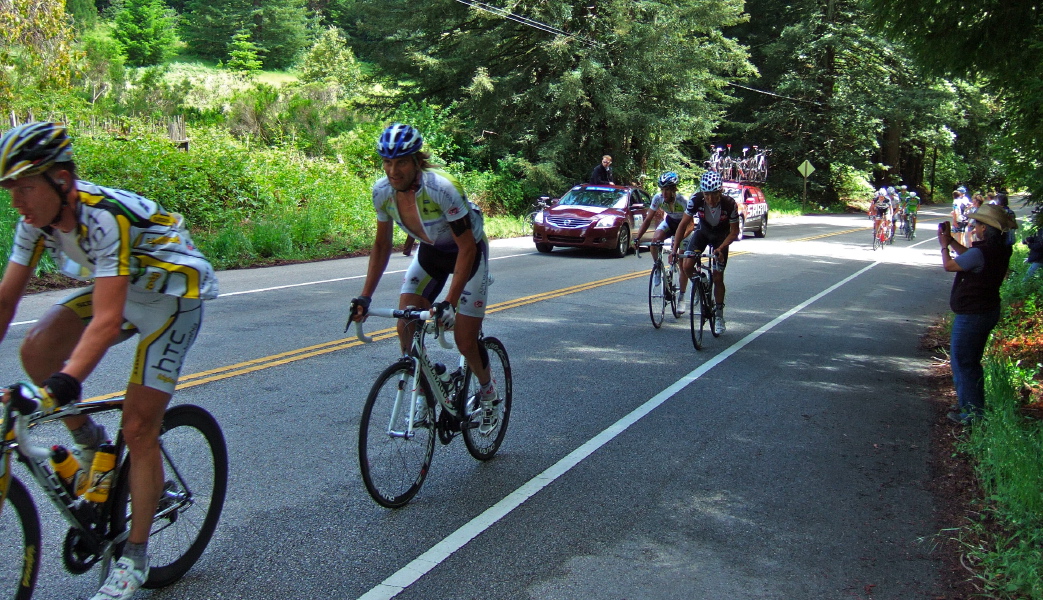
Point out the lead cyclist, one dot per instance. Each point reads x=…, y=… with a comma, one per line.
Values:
x=430, y=205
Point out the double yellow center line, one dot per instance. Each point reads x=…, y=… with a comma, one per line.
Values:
x=283, y=358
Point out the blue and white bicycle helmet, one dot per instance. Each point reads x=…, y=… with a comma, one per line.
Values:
x=710, y=181
x=399, y=140
x=668, y=178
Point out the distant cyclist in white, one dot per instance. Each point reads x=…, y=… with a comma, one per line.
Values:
x=672, y=204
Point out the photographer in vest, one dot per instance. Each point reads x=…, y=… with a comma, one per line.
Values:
x=975, y=298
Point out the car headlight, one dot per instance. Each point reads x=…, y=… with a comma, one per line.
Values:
x=606, y=221
x=538, y=217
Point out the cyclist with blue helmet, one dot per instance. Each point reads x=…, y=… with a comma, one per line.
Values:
x=672, y=205
x=718, y=216
x=431, y=206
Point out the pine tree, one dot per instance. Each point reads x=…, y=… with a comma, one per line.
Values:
x=145, y=30
x=330, y=59
x=243, y=55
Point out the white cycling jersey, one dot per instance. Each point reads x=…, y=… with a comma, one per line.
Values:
x=440, y=200
x=121, y=233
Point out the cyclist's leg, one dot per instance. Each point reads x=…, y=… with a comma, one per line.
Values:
x=718, y=278
x=470, y=314
x=168, y=327
x=423, y=281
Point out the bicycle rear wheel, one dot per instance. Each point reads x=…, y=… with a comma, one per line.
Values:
x=483, y=446
x=394, y=463
x=672, y=286
x=20, y=551
x=195, y=465
x=656, y=297
x=696, y=313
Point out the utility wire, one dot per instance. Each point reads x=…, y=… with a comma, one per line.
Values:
x=774, y=94
x=527, y=21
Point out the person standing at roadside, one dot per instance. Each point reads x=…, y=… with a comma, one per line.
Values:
x=602, y=174
x=975, y=300
x=960, y=204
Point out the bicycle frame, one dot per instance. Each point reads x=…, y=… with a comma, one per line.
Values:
x=16, y=428
x=421, y=364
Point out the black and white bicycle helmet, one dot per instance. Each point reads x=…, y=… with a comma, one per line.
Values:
x=399, y=140
x=668, y=178
x=710, y=181
x=32, y=149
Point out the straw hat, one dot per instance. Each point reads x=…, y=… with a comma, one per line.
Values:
x=993, y=215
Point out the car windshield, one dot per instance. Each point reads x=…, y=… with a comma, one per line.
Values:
x=593, y=196
x=735, y=193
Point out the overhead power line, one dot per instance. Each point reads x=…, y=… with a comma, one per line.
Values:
x=527, y=21
x=774, y=94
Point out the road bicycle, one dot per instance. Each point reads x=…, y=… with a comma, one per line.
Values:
x=910, y=226
x=416, y=399
x=195, y=461
x=663, y=287
x=882, y=234
x=703, y=309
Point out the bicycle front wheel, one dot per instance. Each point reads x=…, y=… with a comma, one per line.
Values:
x=20, y=552
x=697, y=313
x=483, y=446
x=393, y=461
x=195, y=466
x=656, y=297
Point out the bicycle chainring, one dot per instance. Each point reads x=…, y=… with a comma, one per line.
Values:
x=76, y=554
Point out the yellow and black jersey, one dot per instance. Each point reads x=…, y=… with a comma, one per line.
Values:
x=121, y=233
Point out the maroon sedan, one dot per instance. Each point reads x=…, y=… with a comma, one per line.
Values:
x=591, y=216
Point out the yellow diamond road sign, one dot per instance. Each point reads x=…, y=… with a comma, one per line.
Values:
x=805, y=169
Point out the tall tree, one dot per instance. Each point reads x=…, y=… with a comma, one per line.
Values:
x=36, y=49
x=145, y=30
x=278, y=27
x=632, y=78
x=998, y=41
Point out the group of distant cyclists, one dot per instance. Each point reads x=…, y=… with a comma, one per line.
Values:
x=894, y=206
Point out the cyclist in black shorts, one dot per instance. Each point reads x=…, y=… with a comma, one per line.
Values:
x=718, y=225
x=672, y=204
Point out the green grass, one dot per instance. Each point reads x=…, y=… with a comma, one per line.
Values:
x=1006, y=448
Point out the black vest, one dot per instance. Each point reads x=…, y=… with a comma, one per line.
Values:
x=976, y=293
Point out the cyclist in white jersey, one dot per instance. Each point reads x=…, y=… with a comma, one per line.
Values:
x=672, y=204
x=431, y=206
x=149, y=279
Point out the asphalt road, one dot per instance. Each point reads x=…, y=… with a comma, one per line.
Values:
x=787, y=460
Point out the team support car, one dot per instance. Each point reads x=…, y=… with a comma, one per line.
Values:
x=753, y=207
x=591, y=216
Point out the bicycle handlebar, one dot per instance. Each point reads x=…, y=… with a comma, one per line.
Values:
x=408, y=314
x=25, y=400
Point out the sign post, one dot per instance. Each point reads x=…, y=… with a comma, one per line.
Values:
x=805, y=169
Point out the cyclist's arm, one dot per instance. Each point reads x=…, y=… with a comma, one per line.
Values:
x=12, y=287
x=649, y=213
x=686, y=222
x=109, y=299
x=733, y=235
x=378, y=257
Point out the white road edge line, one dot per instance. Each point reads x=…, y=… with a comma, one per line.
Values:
x=409, y=574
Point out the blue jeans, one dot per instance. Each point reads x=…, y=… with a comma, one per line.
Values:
x=1031, y=270
x=967, y=345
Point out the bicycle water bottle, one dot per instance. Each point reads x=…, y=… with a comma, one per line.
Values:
x=443, y=375
x=69, y=471
x=102, y=471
